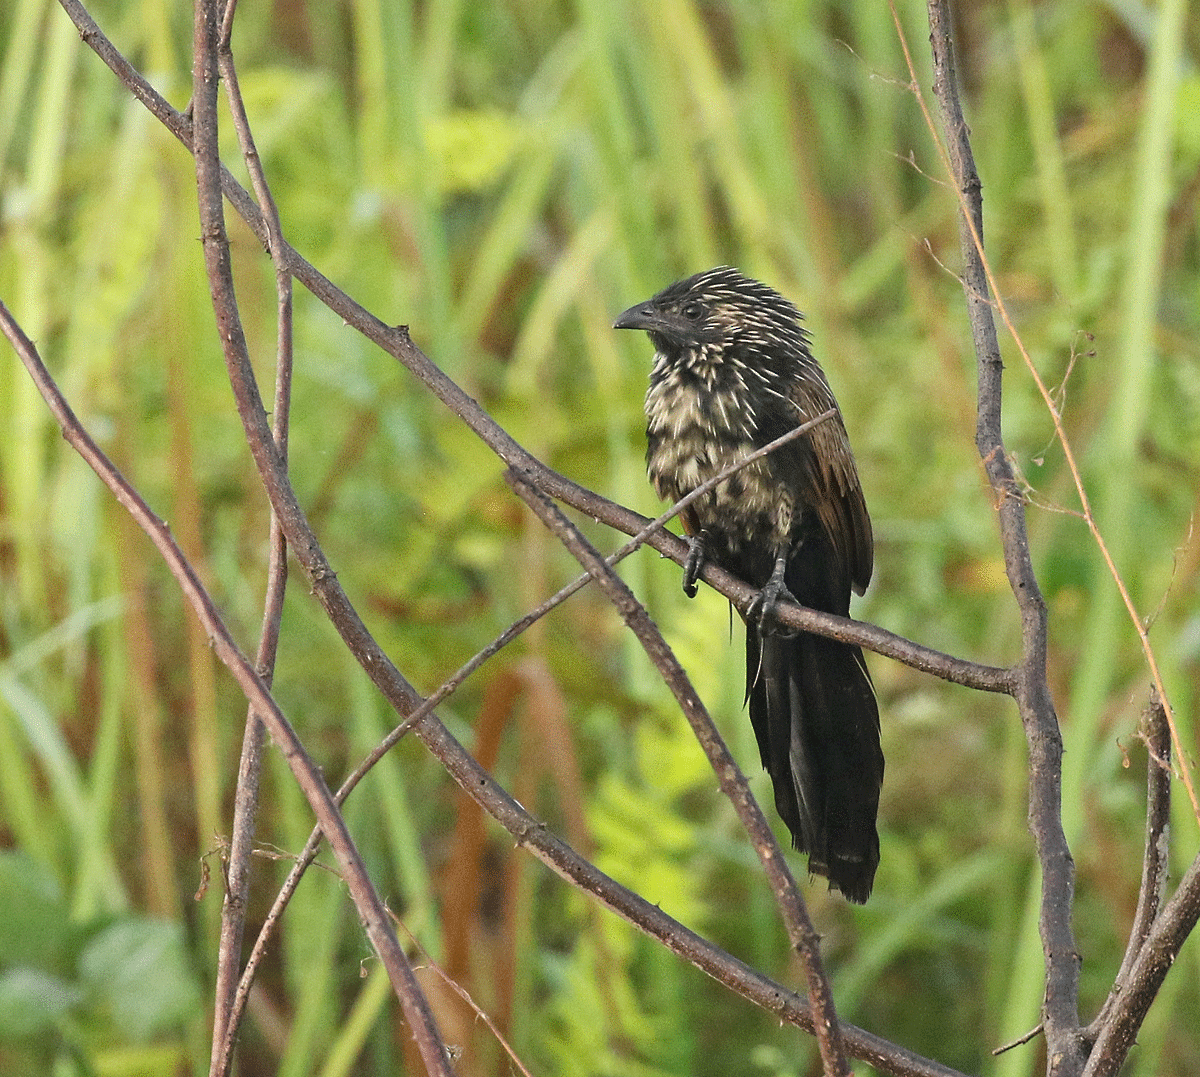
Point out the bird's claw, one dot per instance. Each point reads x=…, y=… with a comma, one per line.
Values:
x=762, y=607
x=694, y=564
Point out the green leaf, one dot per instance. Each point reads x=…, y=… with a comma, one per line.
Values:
x=35, y=929
x=138, y=968
x=32, y=1001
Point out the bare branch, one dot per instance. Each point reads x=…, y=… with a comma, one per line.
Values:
x=1154, y=960
x=1115, y=1027
x=269, y=459
x=226, y=1011
x=396, y=342
x=451, y=685
x=730, y=778
x=1146, y=962
x=1156, y=859
x=1065, y=1047
x=307, y=773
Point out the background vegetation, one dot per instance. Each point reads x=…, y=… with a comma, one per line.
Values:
x=504, y=178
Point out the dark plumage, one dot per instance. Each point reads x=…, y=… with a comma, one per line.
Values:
x=732, y=371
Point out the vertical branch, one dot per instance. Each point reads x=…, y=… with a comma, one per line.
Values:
x=226, y=1013
x=1154, y=960
x=1154, y=939
x=1155, y=860
x=268, y=458
x=1065, y=1048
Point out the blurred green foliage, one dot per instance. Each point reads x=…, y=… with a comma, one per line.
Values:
x=503, y=177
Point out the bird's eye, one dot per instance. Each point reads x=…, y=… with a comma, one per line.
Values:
x=693, y=310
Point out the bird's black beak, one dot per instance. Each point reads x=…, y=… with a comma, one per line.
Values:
x=641, y=316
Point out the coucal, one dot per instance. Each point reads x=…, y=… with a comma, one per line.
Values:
x=733, y=371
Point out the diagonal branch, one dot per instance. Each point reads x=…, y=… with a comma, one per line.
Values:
x=730, y=778
x=269, y=458
x=226, y=1011
x=307, y=773
x=738, y=977
x=396, y=341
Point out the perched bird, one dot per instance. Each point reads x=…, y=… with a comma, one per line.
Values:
x=732, y=371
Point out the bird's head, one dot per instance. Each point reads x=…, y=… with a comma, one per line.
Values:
x=720, y=307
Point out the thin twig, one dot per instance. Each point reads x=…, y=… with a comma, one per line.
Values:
x=1004, y=1048
x=976, y=238
x=396, y=341
x=732, y=781
x=465, y=995
x=1115, y=1027
x=1060, y=1013
x=226, y=1013
x=267, y=456
x=307, y=773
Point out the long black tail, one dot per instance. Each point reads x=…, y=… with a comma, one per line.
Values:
x=814, y=713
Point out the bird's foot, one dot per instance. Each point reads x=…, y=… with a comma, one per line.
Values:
x=762, y=607
x=694, y=564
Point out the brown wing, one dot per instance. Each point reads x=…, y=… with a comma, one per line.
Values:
x=837, y=494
